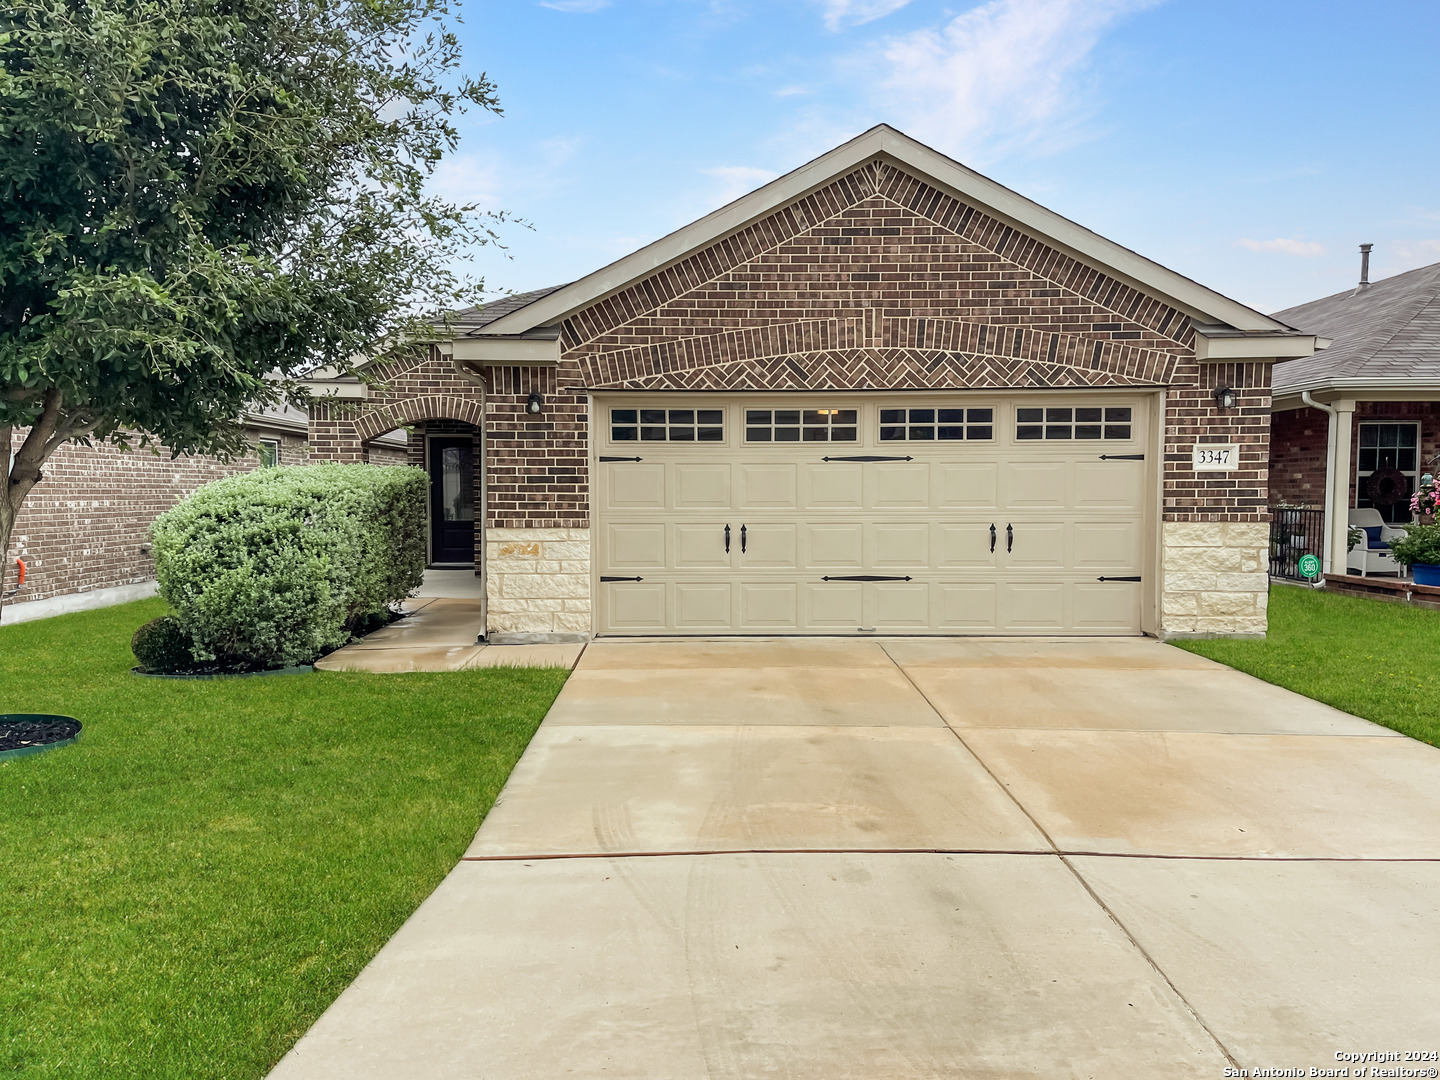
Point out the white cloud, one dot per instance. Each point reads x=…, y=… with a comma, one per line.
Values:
x=1001, y=75
x=1413, y=253
x=582, y=6
x=738, y=180
x=840, y=13
x=1305, y=249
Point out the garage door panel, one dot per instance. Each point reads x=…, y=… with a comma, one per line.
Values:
x=701, y=486
x=768, y=487
x=701, y=544
x=769, y=546
x=1101, y=485
x=769, y=605
x=897, y=484
x=637, y=546
x=632, y=485
x=968, y=486
x=839, y=546
x=1035, y=485
x=1106, y=606
x=1033, y=607
x=900, y=605
x=1037, y=545
x=635, y=606
x=834, y=486
x=964, y=545
x=1107, y=545
x=966, y=606
x=704, y=605
x=835, y=605
x=895, y=545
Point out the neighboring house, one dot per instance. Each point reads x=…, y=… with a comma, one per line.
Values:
x=881, y=394
x=1358, y=423
x=84, y=529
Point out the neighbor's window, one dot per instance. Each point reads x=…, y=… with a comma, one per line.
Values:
x=800, y=425
x=921, y=425
x=268, y=450
x=1073, y=423
x=667, y=425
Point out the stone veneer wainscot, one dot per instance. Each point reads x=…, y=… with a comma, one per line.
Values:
x=537, y=582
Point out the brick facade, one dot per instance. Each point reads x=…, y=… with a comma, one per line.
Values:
x=1298, y=439
x=875, y=281
x=86, y=525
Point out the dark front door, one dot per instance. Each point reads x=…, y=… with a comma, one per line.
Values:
x=452, y=501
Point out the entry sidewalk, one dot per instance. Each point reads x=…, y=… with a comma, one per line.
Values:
x=985, y=858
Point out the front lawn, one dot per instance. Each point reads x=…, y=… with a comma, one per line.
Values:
x=184, y=891
x=1374, y=659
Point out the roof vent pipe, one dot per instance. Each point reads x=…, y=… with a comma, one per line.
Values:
x=1364, y=268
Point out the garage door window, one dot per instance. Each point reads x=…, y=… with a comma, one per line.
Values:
x=932, y=425
x=667, y=425
x=1070, y=423
x=801, y=425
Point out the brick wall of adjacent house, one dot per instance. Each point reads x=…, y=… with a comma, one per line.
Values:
x=1298, y=440
x=85, y=526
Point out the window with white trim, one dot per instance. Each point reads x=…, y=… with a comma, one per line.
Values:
x=1069, y=422
x=268, y=451
x=1387, y=449
x=941, y=425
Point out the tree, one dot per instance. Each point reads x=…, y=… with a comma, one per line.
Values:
x=201, y=199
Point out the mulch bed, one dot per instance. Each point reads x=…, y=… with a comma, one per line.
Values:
x=25, y=731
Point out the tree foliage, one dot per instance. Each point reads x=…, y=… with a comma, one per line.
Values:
x=201, y=198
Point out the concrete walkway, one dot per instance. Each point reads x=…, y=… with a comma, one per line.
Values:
x=962, y=858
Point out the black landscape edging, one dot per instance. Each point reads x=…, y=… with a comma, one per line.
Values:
x=302, y=669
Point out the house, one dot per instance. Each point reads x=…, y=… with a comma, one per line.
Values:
x=84, y=531
x=1358, y=423
x=881, y=394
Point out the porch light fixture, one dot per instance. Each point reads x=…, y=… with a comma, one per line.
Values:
x=534, y=403
x=1224, y=397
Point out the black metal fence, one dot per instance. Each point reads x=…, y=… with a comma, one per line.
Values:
x=1294, y=533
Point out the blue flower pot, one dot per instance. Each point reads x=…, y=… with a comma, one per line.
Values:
x=1425, y=574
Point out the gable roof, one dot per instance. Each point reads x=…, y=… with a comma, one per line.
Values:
x=886, y=144
x=1388, y=332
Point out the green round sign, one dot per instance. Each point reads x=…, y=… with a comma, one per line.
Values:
x=1309, y=566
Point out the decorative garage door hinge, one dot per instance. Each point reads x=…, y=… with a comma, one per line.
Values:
x=1104, y=457
x=603, y=458
x=867, y=577
x=867, y=457
x=605, y=579
x=1117, y=578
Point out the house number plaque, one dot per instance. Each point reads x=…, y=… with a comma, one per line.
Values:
x=1215, y=457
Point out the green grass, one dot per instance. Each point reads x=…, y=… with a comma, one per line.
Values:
x=1374, y=659
x=185, y=890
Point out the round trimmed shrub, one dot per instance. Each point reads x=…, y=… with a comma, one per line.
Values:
x=272, y=568
x=163, y=645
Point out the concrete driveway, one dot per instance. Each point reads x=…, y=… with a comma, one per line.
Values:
x=906, y=858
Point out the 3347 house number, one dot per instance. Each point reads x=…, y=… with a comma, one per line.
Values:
x=1215, y=457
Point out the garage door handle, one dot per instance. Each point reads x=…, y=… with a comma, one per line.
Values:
x=605, y=579
x=742, y=539
x=1122, y=457
x=992, y=538
x=727, y=539
x=1009, y=538
x=867, y=577
x=1117, y=579
x=867, y=457
x=621, y=459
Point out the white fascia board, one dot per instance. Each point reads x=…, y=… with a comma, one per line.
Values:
x=1330, y=390
x=885, y=142
x=352, y=391
x=509, y=350
x=1261, y=346
x=271, y=422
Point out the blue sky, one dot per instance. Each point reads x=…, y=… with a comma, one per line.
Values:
x=1250, y=144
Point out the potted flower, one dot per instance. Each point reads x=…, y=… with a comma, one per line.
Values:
x=1425, y=503
x=1420, y=551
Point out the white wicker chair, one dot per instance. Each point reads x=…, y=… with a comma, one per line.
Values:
x=1372, y=560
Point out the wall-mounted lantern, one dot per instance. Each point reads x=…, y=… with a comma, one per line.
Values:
x=1224, y=397
x=534, y=403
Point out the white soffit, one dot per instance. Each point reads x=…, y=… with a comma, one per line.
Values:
x=883, y=142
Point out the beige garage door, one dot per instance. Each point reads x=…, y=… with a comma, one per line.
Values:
x=854, y=514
